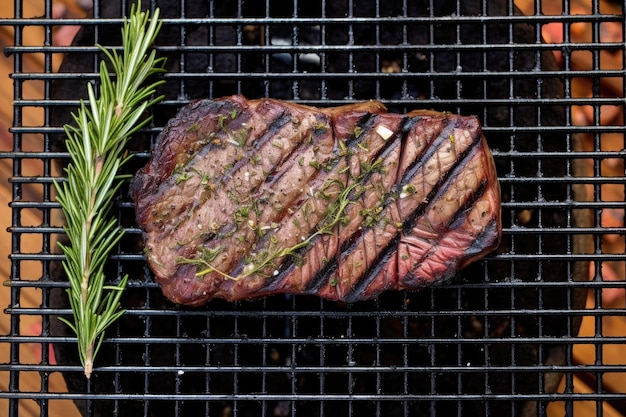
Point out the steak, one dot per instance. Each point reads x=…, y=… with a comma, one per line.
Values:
x=247, y=198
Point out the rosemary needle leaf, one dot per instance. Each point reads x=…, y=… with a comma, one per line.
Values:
x=96, y=143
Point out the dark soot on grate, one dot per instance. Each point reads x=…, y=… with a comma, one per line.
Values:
x=284, y=355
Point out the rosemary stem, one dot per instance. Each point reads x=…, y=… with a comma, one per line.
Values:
x=89, y=360
x=84, y=286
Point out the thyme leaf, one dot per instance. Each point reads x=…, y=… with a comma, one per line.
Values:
x=96, y=144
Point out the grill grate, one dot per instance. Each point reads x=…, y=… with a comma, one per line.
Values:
x=493, y=341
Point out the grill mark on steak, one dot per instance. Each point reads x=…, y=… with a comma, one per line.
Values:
x=307, y=216
x=433, y=243
x=328, y=274
x=382, y=261
x=353, y=240
x=417, y=165
x=235, y=183
x=378, y=237
x=443, y=254
x=388, y=254
x=335, y=200
x=421, y=149
x=364, y=124
x=264, y=200
x=326, y=247
x=270, y=133
x=369, y=198
x=288, y=184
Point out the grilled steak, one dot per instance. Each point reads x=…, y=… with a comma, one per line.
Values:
x=243, y=199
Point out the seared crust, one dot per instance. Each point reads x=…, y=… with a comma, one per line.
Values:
x=243, y=199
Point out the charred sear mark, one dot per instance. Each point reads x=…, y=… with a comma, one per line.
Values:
x=272, y=128
x=322, y=278
x=374, y=271
x=446, y=180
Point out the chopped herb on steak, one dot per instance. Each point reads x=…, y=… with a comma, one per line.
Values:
x=247, y=198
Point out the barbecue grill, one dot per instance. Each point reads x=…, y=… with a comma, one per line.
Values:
x=501, y=338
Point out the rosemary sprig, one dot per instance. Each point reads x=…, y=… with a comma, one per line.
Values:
x=96, y=144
